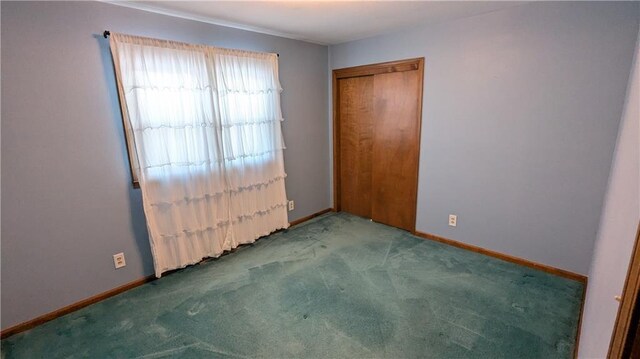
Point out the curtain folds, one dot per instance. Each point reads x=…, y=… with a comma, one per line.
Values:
x=204, y=125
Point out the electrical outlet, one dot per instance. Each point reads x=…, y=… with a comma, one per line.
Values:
x=453, y=220
x=291, y=205
x=118, y=260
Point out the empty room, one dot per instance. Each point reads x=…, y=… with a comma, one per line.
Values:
x=320, y=179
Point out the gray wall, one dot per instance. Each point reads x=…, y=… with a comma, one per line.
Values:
x=521, y=112
x=617, y=233
x=67, y=201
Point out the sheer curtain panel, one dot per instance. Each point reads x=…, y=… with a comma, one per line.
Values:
x=204, y=130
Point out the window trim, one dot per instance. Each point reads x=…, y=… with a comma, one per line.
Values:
x=124, y=115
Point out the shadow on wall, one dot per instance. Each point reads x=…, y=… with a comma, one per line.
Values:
x=138, y=221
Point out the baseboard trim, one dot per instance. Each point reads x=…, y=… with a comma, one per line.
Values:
x=524, y=262
x=506, y=257
x=584, y=299
x=102, y=296
x=311, y=216
x=73, y=307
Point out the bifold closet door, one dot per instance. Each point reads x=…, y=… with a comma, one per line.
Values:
x=356, y=141
x=397, y=99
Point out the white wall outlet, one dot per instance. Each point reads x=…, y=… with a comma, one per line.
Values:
x=118, y=260
x=453, y=220
x=291, y=205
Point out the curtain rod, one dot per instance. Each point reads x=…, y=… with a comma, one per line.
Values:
x=107, y=33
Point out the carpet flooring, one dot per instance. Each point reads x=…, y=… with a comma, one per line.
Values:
x=338, y=286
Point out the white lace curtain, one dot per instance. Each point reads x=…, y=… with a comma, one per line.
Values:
x=203, y=126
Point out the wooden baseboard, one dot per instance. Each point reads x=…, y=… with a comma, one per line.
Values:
x=311, y=216
x=505, y=257
x=524, y=262
x=102, y=296
x=584, y=299
x=73, y=307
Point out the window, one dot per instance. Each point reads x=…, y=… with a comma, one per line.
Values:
x=203, y=128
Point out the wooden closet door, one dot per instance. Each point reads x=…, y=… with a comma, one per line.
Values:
x=397, y=107
x=356, y=136
x=377, y=115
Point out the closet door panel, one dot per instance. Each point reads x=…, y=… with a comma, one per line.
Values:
x=397, y=99
x=356, y=136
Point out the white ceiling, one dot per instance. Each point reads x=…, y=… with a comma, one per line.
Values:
x=323, y=22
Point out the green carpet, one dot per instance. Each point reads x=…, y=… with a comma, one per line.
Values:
x=338, y=286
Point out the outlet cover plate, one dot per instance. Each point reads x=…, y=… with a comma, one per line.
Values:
x=453, y=220
x=118, y=260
